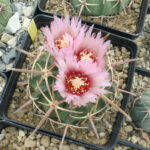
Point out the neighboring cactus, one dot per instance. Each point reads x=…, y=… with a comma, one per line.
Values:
x=140, y=112
x=5, y=13
x=100, y=7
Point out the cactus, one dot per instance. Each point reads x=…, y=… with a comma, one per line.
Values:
x=5, y=13
x=100, y=7
x=70, y=87
x=140, y=112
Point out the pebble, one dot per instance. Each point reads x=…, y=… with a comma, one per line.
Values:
x=135, y=5
x=65, y=147
x=21, y=133
x=42, y=148
x=45, y=141
x=134, y=139
x=17, y=7
x=32, y=137
x=27, y=11
x=102, y=134
x=12, y=42
x=30, y=143
x=2, y=136
x=129, y=128
x=26, y=23
x=13, y=24
x=38, y=136
x=5, y=38
x=53, y=140
x=7, y=57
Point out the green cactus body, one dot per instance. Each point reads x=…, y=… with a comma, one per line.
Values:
x=140, y=113
x=5, y=13
x=65, y=116
x=101, y=7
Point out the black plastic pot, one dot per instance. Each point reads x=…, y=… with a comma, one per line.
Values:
x=139, y=24
x=42, y=20
x=131, y=145
x=143, y=72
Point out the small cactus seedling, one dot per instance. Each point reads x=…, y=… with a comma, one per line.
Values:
x=5, y=13
x=140, y=112
x=99, y=7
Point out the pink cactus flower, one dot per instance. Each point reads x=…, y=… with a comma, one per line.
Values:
x=62, y=32
x=80, y=82
x=92, y=47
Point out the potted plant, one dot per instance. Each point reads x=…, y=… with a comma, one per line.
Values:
x=66, y=73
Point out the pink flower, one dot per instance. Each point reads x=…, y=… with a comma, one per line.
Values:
x=89, y=47
x=62, y=32
x=80, y=82
x=92, y=48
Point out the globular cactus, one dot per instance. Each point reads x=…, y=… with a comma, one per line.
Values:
x=100, y=7
x=5, y=13
x=70, y=85
x=140, y=112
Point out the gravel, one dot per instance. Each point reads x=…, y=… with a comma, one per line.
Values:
x=15, y=31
